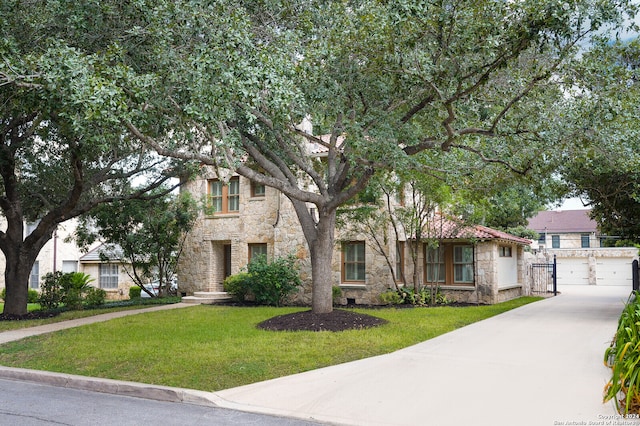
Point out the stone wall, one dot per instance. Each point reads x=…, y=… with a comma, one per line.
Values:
x=272, y=220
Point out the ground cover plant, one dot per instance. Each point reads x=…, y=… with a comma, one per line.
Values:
x=218, y=347
x=623, y=357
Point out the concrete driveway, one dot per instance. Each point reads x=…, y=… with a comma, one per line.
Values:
x=541, y=364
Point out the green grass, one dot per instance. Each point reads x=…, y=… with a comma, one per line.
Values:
x=212, y=348
x=30, y=306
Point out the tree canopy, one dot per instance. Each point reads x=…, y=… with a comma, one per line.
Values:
x=604, y=166
x=67, y=72
x=447, y=87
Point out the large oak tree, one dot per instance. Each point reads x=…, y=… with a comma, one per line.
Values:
x=64, y=82
x=443, y=86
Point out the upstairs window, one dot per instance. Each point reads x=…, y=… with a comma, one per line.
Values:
x=257, y=189
x=224, y=198
x=555, y=241
x=585, y=241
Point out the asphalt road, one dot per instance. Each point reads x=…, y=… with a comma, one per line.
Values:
x=33, y=404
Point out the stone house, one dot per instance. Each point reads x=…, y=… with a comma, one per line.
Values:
x=475, y=264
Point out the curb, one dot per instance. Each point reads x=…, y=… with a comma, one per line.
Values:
x=109, y=386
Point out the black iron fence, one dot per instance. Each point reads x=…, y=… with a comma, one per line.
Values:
x=544, y=277
x=635, y=275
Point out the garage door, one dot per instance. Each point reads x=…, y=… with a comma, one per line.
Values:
x=573, y=271
x=613, y=271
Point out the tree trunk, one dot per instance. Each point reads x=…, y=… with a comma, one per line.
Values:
x=16, y=278
x=321, y=252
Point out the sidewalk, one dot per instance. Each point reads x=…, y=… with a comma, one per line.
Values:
x=541, y=364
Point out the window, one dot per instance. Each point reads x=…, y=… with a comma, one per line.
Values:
x=463, y=264
x=108, y=275
x=257, y=189
x=505, y=251
x=542, y=239
x=224, y=198
x=585, y=242
x=555, y=241
x=434, y=265
x=34, y=277
x=353, y=261
x=257, y=250
x=400, y=260
x=69, y=266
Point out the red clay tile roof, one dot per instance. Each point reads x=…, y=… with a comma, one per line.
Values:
x=450, y=229
x=563, y=221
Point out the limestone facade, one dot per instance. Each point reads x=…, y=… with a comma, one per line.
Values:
x=220, y=244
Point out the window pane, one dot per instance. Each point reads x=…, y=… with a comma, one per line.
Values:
x=585, y=241
x=258, y=190
x=234, y=195
x=435, y=268
x=555, y=241
x=108, y=276
x=463, y=273
x=354, y=262
x=34, y=278
x=215, y=196
x=463, y=264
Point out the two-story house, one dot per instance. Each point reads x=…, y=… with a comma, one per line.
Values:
x=243, y=219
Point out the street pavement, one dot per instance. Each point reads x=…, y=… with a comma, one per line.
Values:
x=541, y=364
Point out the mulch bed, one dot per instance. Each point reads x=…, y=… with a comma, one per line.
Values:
x=29, y=316
x=338, y=320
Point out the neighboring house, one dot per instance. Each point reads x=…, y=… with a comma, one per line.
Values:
x=58, y=254
x=565, y=229
x=108, y=270
x=476, y=264
x=573, y=238
x=62, y=254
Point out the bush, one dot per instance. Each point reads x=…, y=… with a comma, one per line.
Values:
x=238, y=285
x=271, y=283
x=69, y=289
x=134, y=292
x=623, y=358
x=391, y=297
x=50, y=291
x=32, y=295
x=94, y=297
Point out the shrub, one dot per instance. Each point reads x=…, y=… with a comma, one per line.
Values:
x=32, y=296
x=134, y=292
x=271, y=283
x=238, y=285
x=623, y=357
x=336, y=293
x=69, y=288
x=94, y=297
x=50, y=291
x=391, y=297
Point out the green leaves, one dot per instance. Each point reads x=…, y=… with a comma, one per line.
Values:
x=623, y=357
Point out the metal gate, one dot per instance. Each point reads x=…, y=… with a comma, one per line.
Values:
x=544, y=277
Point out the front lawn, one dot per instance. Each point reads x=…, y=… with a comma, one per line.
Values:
x=215, y=347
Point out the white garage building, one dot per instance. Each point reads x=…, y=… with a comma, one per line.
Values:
x=573, y=237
